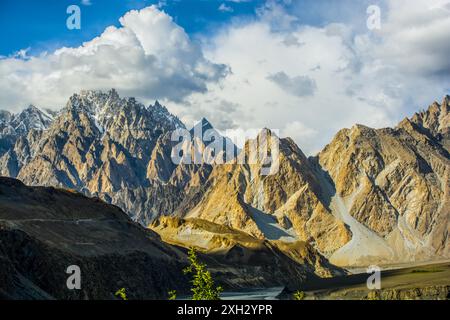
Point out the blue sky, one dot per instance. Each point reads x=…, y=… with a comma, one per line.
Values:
x=41, y=25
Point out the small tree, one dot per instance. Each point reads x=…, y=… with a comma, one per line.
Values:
x=203, y=286
x=299, y=295
x=122, y=294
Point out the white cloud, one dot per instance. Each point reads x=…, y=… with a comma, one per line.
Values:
x=322, y=109
x=149, y=57
x=301, y=86
x=421, y=30
x=273, y=13
x=309, y=82
x=161, y=4
x=300, y=132
x=86, y=2
x=306, y=81
x=224, y=8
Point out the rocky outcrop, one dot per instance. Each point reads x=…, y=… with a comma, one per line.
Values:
x=284, y=206
x=99, y=144
x=268, y=263
x=19, y=136
x=436, y=121
x=391, y=186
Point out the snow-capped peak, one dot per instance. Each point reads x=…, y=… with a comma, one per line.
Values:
x=21, y=123
x=160, y=113
x=103, y=107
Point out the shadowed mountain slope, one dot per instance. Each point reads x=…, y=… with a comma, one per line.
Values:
x=44, y=230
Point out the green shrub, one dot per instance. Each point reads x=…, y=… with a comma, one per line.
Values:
x=203, y=287
x=172, y=295
x=122, y=294
x=298, y=295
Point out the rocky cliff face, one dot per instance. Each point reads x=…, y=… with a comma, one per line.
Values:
x=436, y=121
x=18, y=137
x=372, y=195
x=100, y=144
x=284, y=206
x=391, y=186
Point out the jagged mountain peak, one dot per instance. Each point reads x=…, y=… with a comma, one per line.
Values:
x=445, y=105
x=266, y=132
x=93, y=101
x=100, y=143
x=104, y=108
x=436, y=119
x=31, y=109
x=160, y=112
x=30, y=118
x=267, y=138
x=157, y=104
x=92, y=94
x=263, y=139
x=446, y=101
x=374, y=171
x=229, y=150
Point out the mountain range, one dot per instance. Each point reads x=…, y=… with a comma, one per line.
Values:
x=370, y=196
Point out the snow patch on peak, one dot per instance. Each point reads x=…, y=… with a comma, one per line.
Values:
x=101, y=107
x=160, y=113
x=31, y=118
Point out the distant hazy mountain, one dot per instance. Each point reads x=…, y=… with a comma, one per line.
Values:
x=371, y=196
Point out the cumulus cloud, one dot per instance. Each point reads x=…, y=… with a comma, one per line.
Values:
x=310, y=81
x=272, y=70
x=300, y=86
x=421, y=30
x=300, y=132
x=271, y=82
x=224, y=8
x=273, y=13
x=148, y=56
